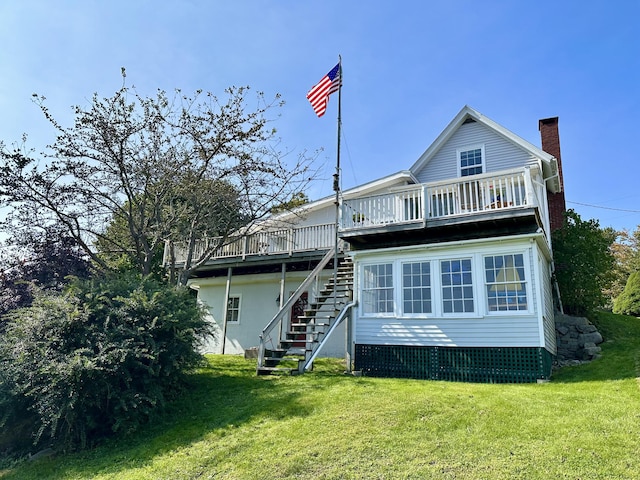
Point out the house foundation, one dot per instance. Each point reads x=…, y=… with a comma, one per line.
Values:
x=462, y=364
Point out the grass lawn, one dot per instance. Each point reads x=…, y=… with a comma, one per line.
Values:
x=584, y=424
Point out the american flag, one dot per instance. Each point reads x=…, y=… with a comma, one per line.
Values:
x=319, y=94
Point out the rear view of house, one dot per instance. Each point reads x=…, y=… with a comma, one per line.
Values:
x=442, y=271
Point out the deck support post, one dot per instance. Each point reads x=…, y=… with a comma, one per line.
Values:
x=282, y=290
x=225, y=308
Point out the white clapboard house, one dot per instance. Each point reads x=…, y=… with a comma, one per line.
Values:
x=443, y=271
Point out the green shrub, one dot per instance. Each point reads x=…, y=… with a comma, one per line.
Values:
x=584, y=263
x=101, y=358
x=16, y=422
x=628, y=303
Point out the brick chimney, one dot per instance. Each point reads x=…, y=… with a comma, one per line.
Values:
x=551, y=144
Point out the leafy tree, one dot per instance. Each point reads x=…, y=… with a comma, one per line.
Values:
x=40, y=260
x=628, y=303
x=205, y=219
x=99, y=359
x=296, y=200
x=626, y=250
x=583, y=262
x=159, y=170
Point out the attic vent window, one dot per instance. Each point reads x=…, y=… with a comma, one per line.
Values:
x=471, y=161
x=469, y=120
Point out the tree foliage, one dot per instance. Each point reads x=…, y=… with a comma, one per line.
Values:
x=99, y=359
x=133, y=173
x=297, y=200
x=583, y=263
x=626, y=250
x=38, y=260
x=628, y=303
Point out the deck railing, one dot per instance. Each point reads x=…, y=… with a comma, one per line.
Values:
x=413, y=204
x=464, y=196
x=264, y=242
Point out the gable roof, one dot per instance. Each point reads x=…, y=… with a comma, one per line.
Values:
x=549, y=162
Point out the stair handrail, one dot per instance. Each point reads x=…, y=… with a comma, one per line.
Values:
x=343, y=313
x=289, y=303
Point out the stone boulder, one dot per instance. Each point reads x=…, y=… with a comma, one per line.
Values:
x=577, y=339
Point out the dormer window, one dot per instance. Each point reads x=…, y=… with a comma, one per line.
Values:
x=471, y=161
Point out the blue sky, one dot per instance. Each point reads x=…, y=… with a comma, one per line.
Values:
x=409, y=67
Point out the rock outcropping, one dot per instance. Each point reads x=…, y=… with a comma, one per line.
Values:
x=577, y=339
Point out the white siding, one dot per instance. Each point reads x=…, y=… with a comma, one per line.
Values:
x=450, y=332
x=479, y=329
x=258, y=305
x=500, y=154
x=548, y=319
x=318, y=217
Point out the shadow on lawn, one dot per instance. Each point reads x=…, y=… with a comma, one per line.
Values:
x=220, y=397
x=226, y=396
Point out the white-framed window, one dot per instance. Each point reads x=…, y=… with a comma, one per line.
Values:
x=456, y=277
x=416, y=288
x=377, y=289
x=471, y=160
x=233, y=309
x=428, y=285
x=505, y=282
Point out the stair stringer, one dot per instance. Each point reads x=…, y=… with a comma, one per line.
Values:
x=310, y=355
x=320, y=319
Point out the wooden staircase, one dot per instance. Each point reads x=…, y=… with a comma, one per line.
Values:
x=294, y=350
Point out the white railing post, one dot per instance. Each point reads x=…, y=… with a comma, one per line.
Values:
x=529, y=192
x=426, y=205
x=290, y=240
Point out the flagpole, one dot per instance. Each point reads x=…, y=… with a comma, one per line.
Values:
x=336, y=188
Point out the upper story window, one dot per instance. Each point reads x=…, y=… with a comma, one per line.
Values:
x=471, y=161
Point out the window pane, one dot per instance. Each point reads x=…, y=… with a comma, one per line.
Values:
x=457, y=286
x=416, y=287
x=505, y=283
x=377, y=288
x=233, y=309
x=471, y=162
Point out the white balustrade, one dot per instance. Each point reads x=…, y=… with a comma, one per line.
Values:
x=412, y=204
x=264, y=242
x=419, y=203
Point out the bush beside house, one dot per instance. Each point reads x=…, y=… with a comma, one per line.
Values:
x=99, y=359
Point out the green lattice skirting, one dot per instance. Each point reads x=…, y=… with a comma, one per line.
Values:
x=461, y=364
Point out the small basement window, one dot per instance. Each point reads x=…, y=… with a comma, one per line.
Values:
x=233, y=309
